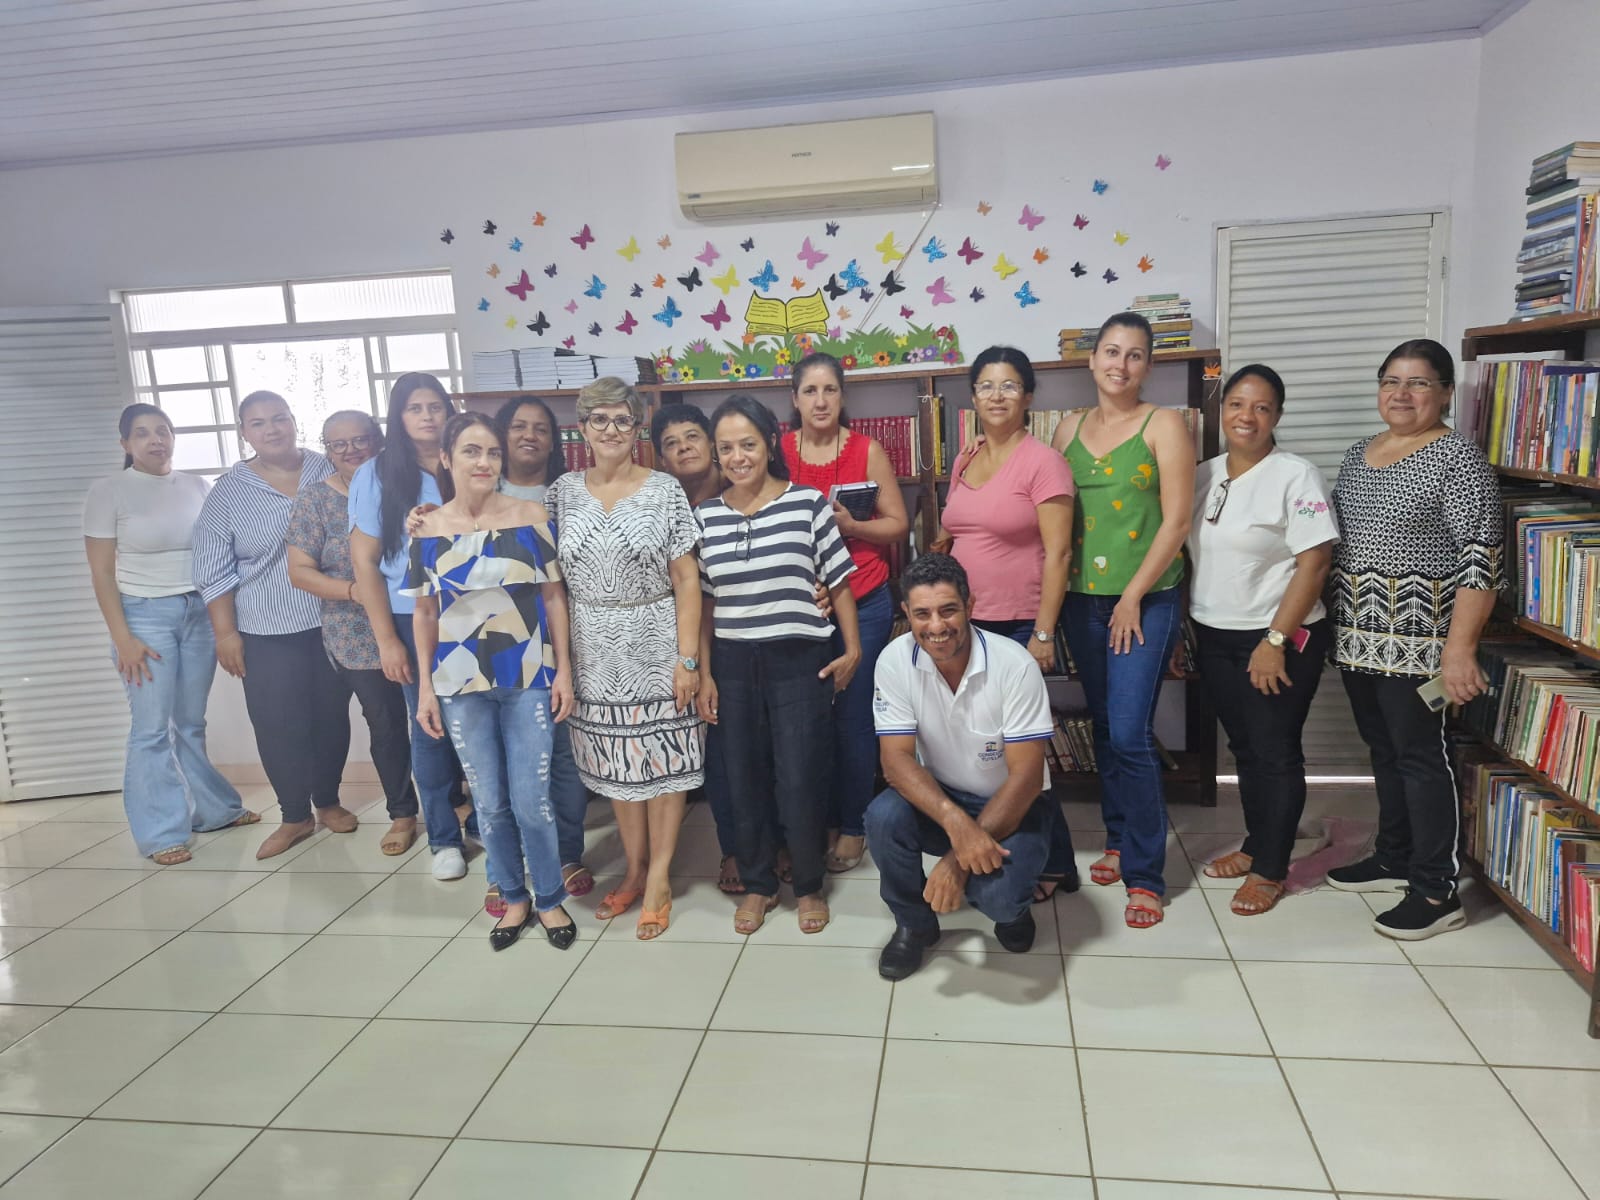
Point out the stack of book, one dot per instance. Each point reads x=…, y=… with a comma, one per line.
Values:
x=1553, y=541
x=1534, y=412
x=900, y=437
x=1556, y=263
x=495, y=371
x=1077, y=343
x=1170, y=322
x=539, y=372
x=1071, y=746
x=575, y=370
x=1542, y=710
x=629, y=370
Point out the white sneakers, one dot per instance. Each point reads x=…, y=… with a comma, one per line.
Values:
x=449, y=863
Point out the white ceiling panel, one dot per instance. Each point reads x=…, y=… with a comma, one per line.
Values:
x=86, y=80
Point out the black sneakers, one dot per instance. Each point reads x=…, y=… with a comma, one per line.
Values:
x=1416, y=917
x=903, y=955
x=1017, y=936
x=1368, y=875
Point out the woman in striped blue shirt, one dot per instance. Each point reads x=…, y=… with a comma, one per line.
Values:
x=766, y=651
x=269, y=632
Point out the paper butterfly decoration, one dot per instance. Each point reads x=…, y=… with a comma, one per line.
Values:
x=551, y=270
x=511, y=322
x=659, y=281
x=628, y=322
x=901, y=341
x=831, y=228
x=888, y=249
x=810, y=255
x=483, y=306
x=636, y=290
x=594, y=329
x=748, y=244
x=709, y=255
x=984, y=208
x=1110, y=276
x=571, y=306
x=934, y=250
x=834, y=288
x=842, y=313
x=718, y=316
x=1078, y=269
x=1146, y=263
x=515, y=244
x=630, y=250
x=539, y=324
x=1004, y=267
x=494, y=271
x=1080, y=221
x=447, y=237
x=1162, y=162
x=582, y=238
x=891, y=285
x=1030, y=218
x=797, y=283
x=1120, y=238
x=867, y=293
x=976, y=294
x=851, y=277
x=936, y=289
x=1041, y=255
x=669, y=313
x=764, y=281
x=727, y=281
x=969, y=252
x=569, y=342
x=521, y=287
x=907, y=313
x=595, y=288
x=836, y=332
x=538, y=218
x=664, y=241
x=1025, y=295
x=1100, y=186
x=489, y=227
x=691, y=280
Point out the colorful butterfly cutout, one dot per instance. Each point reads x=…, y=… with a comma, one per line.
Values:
x=515, y=244
x=851, y=277
x=867, y=293
x=660, y=281
x=907, y=313
x=842, y=313
x=1110, y=276
x=669, y=313
x=969, y=251
x=709, y=255
x=551, y=270
x=1120, y=238
x=1146, y=263
x=1004, y=267
x=636, y=290
x=538, y=218
x=810, y=255
x=630, y=250
x=797, y=283
x=934, y=250
x=489, y=227
x=571, y=306
x=494, y=271
x=764, y=281
x=836, y=332
x=511, y=322
x=748, y=244
x=984, y=208
x=1041, y=255
x=628, y=322
x=887, y=248
x=831, y=229
x=595, y=288
x=718, y=316
x=539, y=324
x=1100, y=186
x=940, y=295
x=569, y=342
x=1030, y=218
x=483, y=306
x=594, y=328
x=834, y=288
x=521, y=287
x=901, y=341
x=582, y=238
x=1162, y=162
x=891, y=285
x=691, y=280
x=1080, y=221
x=1025, y=296
x=1078, y=269
x=447, y=237
x=727, y=281
x=976, y=294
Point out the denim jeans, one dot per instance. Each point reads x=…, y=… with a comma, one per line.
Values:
x=1121, y=690
x=567, y=794
x=434, y=764
x=169, y=786
x=855, y=739
x=300, y=713
x=503, y=739
x=900, y=834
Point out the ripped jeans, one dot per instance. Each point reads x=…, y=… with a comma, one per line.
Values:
x=503, y=738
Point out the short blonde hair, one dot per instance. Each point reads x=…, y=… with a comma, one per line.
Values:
x=608, y=389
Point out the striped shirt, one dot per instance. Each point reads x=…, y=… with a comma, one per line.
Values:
x=238, y=547
x=762, y=569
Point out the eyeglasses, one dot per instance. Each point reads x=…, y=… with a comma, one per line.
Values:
x=742, y=549
x=340, y=445
x=1390, y=384
x=1010, y=389
x=599, y=422
x=1219, y=499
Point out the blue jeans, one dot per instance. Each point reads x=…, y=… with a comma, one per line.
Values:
x=503, y=738
x=567, y=795
x=169, y=787
x=1121, y=690
x=434, y=764
x=900, y=834
x=855, y=740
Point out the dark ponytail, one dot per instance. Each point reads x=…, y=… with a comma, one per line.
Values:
x=131, y=414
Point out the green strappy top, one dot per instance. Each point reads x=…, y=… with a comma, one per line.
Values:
x=1117, y=514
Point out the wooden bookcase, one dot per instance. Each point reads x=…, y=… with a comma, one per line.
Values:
x=1569, y=334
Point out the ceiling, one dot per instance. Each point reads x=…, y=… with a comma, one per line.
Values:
x=86, y=80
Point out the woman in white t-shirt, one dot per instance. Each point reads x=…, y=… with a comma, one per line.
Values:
x=1261, y=545
x=137, y=528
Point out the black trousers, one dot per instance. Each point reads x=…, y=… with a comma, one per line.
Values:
x=1419, y=809
x=301, y=716
x=776, y=722
x=383, y=705
x=1264, y=734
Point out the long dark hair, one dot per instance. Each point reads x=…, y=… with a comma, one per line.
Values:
x=453, y=429
x=743, y=404
x=556, y=464
x=131, y=414
x=398, y=474
x=811, y=362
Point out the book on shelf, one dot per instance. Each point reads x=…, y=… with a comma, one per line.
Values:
x=1070, y=750
x=1556, y=261
x=1543, y=710
x=1534, y=412
x=900, y=437
x=575, y=451
x=1554, y=545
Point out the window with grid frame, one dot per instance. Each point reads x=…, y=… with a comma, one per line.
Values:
x=324, y=345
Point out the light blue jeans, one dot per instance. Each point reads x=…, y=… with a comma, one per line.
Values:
x=169, y=787
x=503, y=738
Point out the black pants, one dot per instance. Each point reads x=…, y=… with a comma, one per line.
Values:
x=776, y=721
x=1264, y=734
x=383, y=704
x=301, y=716
x=1419, y=810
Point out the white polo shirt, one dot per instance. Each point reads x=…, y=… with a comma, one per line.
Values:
x=962, y=735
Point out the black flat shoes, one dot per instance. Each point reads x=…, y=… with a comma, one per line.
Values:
x=561, y=936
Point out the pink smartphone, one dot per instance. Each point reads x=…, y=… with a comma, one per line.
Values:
x=1299, y=638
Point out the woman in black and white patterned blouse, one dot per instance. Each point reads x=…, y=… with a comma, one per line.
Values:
x=1413, y=582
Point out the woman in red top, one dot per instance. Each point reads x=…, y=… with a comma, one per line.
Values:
x=822, y=451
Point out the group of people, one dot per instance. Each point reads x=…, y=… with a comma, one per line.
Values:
x=520, y=637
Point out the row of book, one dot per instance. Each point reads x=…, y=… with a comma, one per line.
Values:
x=1534, y=412
x=1170, y=322
x=576, y=451
x=1553, y=540
x=1556, y=261
x=549, y=368
x=1043, y=422
x=1070, y=749
x=1534, y=844
x=901, y=439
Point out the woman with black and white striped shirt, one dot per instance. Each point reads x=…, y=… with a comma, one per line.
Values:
x=768, y=674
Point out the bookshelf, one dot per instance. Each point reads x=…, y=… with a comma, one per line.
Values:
x=1570, y=334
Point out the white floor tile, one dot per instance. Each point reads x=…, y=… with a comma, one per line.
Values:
x=859, y=917
x=287, y=902
x=1084, y=816
x=1178, y=1117
x=926, y=1183
x=1519, y=1018
x=778, y=1094
x=70, y=963
x=1353, y=1010
x=378, y=1085
x=202, y=971
x=167, y=900
x=633, y=1075
x=1323, y=926
x=107, y=807
x=698, y=1176
x=73, y=1064
x=467, y=981
x=132, y=1160
x=1492, y=938
x=284, y=1164
x=1369, y=1119
x=1226, y=817
x=806, y=989
x=55, y=897
x=700, y=913
x=235, y=849
x=358, y=851
x=507, y=1169
x=1143, y=1189
x=51, y=843
x=15, y=875
x=1565, y=1107
x=333, y=976
x=119, y=852
x=969, y=929
x=15, y=937
x=237, y=1069
x=412, y=906
x=939, y=1106
x=1091, y=922
x=23, y=1138
x=17, y=1021
x=657, y=984
x=42, y=810
x=983, y=996
x=1161, y=1004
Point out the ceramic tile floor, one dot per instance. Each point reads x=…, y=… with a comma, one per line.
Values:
x=330, y=1024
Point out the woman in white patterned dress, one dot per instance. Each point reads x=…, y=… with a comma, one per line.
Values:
x=627, y=545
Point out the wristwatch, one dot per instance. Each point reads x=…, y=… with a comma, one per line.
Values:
x=1041, y=635
x=1275, y=639
x=690, y=663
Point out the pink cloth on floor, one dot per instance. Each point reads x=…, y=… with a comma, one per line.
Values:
x=1346, y=839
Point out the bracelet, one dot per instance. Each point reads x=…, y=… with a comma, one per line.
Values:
x=226, y=636
x=351, y=594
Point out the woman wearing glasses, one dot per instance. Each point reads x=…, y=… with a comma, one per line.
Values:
x=1261, y=545
x=626, y=544
x=1414, y=580
x=318, y=541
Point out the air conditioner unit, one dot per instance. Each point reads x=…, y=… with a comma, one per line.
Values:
x=793, y=170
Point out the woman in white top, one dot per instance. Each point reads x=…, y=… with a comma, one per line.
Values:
x=137, y=527
x=1261, y=544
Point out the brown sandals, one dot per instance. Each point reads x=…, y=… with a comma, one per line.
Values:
x=1257, y=895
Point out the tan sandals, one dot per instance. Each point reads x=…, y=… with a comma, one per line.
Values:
x=1229, y=866
x=752, y=912
x=1258, y=895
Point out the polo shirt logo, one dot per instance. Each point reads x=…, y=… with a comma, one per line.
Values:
x=992, y=751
